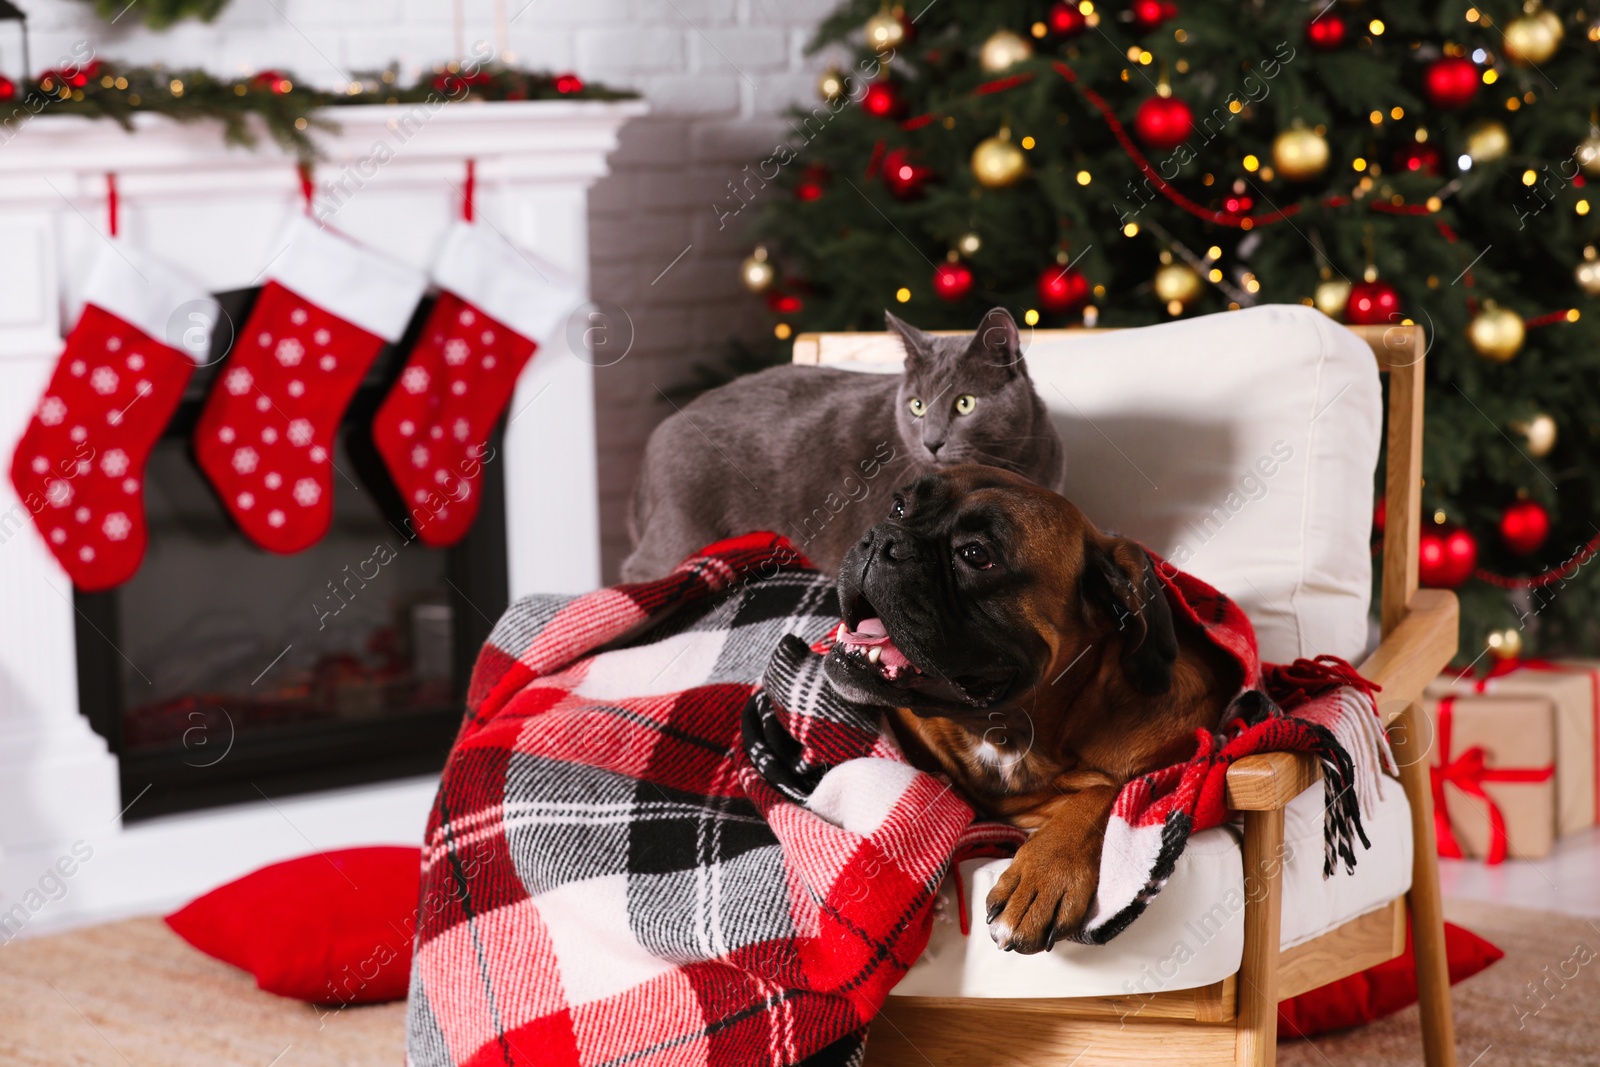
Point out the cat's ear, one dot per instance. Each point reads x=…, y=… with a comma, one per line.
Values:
x=917, y=344
x=998, y=341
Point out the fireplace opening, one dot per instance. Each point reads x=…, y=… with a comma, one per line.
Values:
x=222, y=673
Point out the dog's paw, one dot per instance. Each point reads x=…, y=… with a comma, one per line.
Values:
x=1044, y=895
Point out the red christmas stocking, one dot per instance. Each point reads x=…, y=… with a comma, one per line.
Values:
x=265, y=439
x=493, y=309
x=79, y=467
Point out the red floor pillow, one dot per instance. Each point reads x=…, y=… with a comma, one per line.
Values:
x=1381, y=990
x=330, y=928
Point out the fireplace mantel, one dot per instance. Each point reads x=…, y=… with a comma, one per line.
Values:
x=391, y=176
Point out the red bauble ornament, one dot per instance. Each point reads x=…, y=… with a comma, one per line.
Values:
x=568, y=83
x=904, y=178
x=783, y=303
x=1380, y=514
x=1450, y=83
x=952, y=280
x=8, y=88
x=1372, y=304
x=1418, y=158
x=1150, y=14
x=274, y=81
x=1163, y=122
x=1066, y=20
x=1237, y=203
x=881, y=99
x=812, y=184
x=1326, y=32
x=1446, y=556
x=1063, y=289
x=1524, y=526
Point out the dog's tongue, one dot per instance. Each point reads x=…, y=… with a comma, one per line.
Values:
x=871, y=633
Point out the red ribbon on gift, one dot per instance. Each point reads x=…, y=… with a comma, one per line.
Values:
x=1512, y=663
x=1468, y=773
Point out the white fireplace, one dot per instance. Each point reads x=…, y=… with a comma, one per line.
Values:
x=391, y=177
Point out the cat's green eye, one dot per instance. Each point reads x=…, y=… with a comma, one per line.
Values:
x=918, y=408
x=965, y=403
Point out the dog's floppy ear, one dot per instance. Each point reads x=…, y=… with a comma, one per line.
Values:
x=1119, y=581
x=916, y=343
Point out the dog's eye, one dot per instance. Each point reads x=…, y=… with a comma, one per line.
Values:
x=965, y=403
x=918, y=408
x=897, y=510
x=976, y=556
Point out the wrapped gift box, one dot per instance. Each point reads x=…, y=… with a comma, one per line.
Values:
x=1573, y=686
x=1492, y=762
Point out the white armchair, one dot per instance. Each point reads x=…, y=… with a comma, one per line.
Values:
x=1242, y=447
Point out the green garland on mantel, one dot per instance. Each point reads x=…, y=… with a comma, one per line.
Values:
x=288, y=110
x=159, y=14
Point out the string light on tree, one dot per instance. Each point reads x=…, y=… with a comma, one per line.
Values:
x=1533, y=38
x=1300, y=154
x=756, y=272
x=1002, y=51
x=969, y=243
x=997, y=162
x=1496, y=333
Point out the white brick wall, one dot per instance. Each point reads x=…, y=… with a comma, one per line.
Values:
x=717, y=73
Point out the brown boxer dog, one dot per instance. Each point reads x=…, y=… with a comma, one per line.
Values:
x=1031, y=658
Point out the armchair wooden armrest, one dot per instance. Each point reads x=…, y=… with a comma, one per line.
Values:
x=1413, y=654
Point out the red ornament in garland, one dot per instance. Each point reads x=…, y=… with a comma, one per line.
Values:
x=1150, y=14
x=1066, y=20
x=1163, y=122
x=8, y=88
x=1063, y=289
x=905, y=179
x=952, y=280
x=273, y=81
x=882, y=100
x=783, y=303
x=1446, y=556
x=1524, y=526
x=1418, y=158
x=1326, y=32
x=1450, y=83
x=568, y=83
x=1372, y=304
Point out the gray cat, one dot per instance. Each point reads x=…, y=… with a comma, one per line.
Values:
x=815, y=453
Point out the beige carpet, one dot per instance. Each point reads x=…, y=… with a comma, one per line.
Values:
x=131, y=994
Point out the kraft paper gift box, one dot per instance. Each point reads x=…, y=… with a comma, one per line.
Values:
x=1492, y=763
x=1573, y=686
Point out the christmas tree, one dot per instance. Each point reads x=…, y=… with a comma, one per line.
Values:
x=1124, y=164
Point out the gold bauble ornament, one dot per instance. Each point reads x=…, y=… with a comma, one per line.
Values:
x=1532, y=39
x=1589, y=154
x=1332, y=296
x=1540, y=432
x=755, y=272
x=1300, y=154
x=1505, y=644
x=1496, y=333
x=1177, y=285
x=968, y=243
x=997, y=163
x=885, y=31
x=1003, y=49
x=1487, y=141
x=831, y=85
x=1588, y=272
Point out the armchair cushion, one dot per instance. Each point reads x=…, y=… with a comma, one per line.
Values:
x=1193, y=933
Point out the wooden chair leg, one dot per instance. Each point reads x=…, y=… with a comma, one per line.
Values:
x=1256, y=1042
x=1410, y=737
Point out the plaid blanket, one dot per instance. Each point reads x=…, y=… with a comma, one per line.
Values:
x=640, y=855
